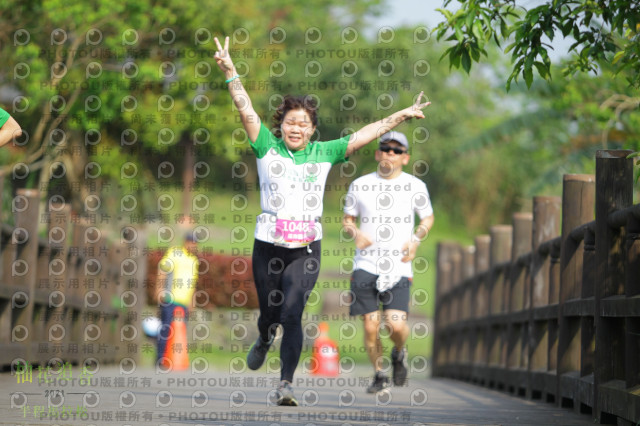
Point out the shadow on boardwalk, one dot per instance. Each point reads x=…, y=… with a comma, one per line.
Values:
x=147, y=397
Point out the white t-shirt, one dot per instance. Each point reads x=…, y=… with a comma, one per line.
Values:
x=292, y=187
x=387, y=209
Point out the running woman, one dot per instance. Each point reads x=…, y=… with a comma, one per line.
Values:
x=292, y=172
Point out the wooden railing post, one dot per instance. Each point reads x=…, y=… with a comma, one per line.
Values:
x=501, y=239
x=546, y=226
x=632, y=289
x=614, y=191
x=455, y=260
x=58, y=333
x=468, y=258
x=481, y=266
x=480, y=309
x=133, y=243
x=467, y=255
x=515, y=347
x=443, y=279
x=77, y=291
x=2, y=214
x=578, y=200
x=522, y=228
x=23, y=271
x=587, y=324
x=5, y=311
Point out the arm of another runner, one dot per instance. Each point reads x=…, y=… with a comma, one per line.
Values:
x=250, y=119
x=410, y=248
x=161, y=285
x=361, y=239
x=372, y=131
x=9, y=130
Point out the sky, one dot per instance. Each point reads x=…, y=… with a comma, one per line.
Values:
x=423, y=12
x=409, y=12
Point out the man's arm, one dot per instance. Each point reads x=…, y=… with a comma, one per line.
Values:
x=411, y=247
x=362, y=240
x=161, y=285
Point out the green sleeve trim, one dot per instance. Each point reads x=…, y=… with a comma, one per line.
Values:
x=4, y=117
x=264, y=141
x=331, y=151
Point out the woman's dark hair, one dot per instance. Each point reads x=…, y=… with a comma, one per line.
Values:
x=306, y=103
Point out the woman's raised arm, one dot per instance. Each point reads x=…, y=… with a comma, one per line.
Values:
x=250, y=119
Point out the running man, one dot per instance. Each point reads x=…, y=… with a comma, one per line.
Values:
x=386, y=202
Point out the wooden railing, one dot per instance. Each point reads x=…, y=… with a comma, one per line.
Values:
x=74, y=295
x=549, y=307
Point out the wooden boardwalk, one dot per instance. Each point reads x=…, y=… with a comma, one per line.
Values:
x=109, y=396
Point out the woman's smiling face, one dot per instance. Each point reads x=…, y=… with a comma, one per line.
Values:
x=297, y=129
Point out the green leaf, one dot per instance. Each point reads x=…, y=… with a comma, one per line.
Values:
x=542, y=69
x=476, y=29
x=475, y=54
x=466, y=61
x=504, y=29
x=528, y=62
x=617, y=57
x=470, y=18
x=528, y=76
x=454, y=57
x=447, y=14
x=459, y=34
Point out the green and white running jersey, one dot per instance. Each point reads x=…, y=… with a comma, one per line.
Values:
x=292, y=186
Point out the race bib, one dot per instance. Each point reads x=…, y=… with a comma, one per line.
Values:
x=294, y=233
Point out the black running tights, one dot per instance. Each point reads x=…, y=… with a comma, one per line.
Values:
x=284, y=279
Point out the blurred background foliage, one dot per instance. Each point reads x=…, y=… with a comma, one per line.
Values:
x=125, y=99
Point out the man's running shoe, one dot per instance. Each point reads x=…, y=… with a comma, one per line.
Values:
x=399, y=362
x=380, y=383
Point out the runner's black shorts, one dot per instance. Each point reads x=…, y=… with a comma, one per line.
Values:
x=365, y=297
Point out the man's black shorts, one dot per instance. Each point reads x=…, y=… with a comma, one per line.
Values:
x=365, y=297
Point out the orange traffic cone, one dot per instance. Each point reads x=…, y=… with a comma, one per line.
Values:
x=176, y=349
x=325, y=359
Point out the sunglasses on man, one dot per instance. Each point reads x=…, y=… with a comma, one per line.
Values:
x=395, y=150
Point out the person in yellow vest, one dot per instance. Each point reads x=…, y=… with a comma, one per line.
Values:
x=177, y=279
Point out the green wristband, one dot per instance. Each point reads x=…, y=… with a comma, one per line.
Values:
x=232, y=78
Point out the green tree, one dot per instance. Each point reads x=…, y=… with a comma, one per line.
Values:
x=603, y=31
x=112, y=85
